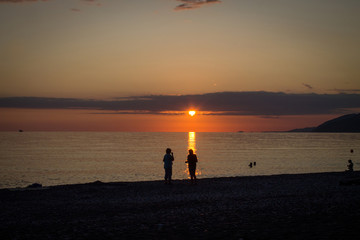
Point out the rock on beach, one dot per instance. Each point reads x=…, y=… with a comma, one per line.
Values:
x=301, y=206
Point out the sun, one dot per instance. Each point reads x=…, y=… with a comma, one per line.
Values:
x=192, y=113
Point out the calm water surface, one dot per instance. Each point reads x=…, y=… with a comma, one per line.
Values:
x=53, y=158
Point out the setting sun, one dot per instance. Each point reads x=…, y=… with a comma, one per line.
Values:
x=192, y=113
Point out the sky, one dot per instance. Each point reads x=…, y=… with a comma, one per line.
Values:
x=140, y=65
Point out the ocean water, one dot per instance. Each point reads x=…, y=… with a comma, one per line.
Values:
x=54, y=158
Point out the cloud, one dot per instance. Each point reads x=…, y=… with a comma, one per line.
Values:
x=92, y=2
x=192, y=4
x=185, y=4
x=307, y=86
x=221, y=103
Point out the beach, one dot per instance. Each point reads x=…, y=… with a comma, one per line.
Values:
x=299, y=206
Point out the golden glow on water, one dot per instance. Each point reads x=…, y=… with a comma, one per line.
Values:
x=192, y=141
x=52, y=158
x=192, y=145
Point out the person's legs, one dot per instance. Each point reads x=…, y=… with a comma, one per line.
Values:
x=192, y=174
x=168, y=173
x=193, y=179
x=166, y=176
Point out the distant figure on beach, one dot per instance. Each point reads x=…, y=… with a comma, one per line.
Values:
x=254, y=164
x=191, y=161
x=350, y=166
x=168, y=162
x=250, y=165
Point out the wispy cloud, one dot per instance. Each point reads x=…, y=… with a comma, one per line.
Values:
x=92, y=2
x=307, y=86
x=222, y=103
x=185, y=4
x=192, y=4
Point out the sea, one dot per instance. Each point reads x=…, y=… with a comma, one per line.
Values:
x=58, y=158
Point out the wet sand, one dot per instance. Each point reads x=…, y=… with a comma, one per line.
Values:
x=301, y=206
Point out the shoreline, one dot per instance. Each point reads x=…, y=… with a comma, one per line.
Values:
x=288, y=206
x=35, y=185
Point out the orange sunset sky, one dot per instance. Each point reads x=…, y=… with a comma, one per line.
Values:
x=141, y=65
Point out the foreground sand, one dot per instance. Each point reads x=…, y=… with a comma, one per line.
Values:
x=305, y=206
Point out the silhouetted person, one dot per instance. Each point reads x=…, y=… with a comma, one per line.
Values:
x=254, y=164
x=250, y=165
x=350, y=166
x=191, y=161
x=168, y=161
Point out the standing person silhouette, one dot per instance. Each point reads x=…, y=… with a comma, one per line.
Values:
x=168, y=162
x=191, y=161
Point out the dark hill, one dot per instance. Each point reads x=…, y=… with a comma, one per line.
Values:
x=346, y=123
x=308, y=129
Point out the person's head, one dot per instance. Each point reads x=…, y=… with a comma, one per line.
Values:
x=349, y=161
x=191, y=152
x=168, y=150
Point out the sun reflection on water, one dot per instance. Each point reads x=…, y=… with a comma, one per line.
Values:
x=192, y=145
x=192, y=141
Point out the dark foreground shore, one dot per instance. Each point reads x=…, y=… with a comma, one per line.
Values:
x=305, y=206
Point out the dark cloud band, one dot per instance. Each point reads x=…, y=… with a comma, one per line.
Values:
x=222, y=103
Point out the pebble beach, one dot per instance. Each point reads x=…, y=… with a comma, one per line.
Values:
x=299, y=206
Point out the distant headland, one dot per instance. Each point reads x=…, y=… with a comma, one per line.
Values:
x=346, y=123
